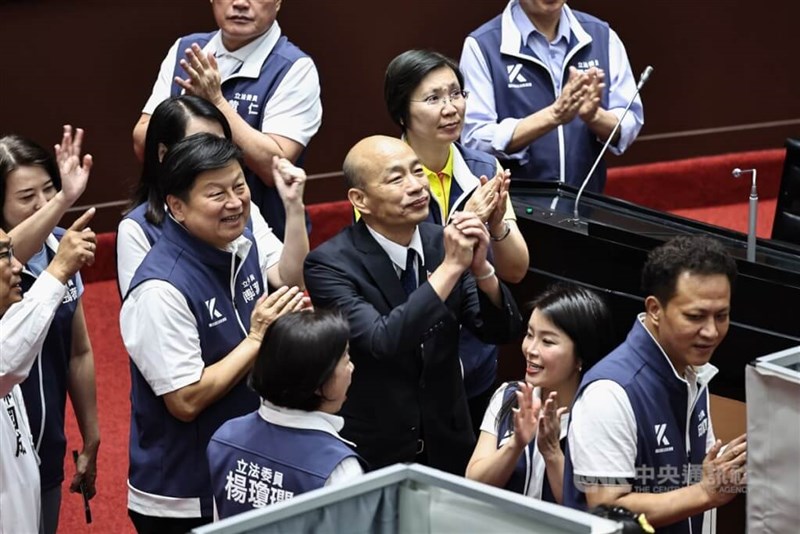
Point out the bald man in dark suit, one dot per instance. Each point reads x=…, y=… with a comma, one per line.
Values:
x=406, y=288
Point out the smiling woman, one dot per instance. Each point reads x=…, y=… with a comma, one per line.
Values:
x=523, y=432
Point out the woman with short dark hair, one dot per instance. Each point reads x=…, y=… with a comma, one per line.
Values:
x=291, y=445
x=521, y=443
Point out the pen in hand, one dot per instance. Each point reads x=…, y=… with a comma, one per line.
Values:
x=86, y=509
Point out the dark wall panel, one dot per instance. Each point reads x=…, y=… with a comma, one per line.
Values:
x=719, y=63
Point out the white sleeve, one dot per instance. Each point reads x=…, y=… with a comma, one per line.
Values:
x=489, y=423
x=347, y=470
x=269, y=246
x=481, y=129
x=132, y=247
x=295, y=108
x=24, y=327
x=160, y=333
x=163, y=85
x=621, y=87
x=602, y=433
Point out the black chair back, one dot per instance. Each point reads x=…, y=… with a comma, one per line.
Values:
x=786, y=226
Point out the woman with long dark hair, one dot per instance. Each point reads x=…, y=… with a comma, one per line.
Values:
x=520, y=447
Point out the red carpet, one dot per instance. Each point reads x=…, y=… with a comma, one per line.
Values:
x=700, y=189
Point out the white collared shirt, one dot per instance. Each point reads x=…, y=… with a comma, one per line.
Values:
x=349, y=468
x=398, y=253
x=294, y=110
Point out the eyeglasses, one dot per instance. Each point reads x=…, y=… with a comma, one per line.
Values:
x=453, y=98
x=7, y=253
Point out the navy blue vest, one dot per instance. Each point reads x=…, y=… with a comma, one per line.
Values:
x=255, y=463
x=249, y=97
x=478, y=358
x=521, y=471
x=167, y=456
x=660, y=402
x=515, y=98
x=51, y=384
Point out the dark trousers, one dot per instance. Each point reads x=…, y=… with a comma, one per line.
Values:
x=145, y=524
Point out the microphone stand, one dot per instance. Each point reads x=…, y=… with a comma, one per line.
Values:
x=642, y=80
x=752, y=213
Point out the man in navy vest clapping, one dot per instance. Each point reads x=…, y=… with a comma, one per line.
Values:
x=548, y=85
x=640, y=436
x=266, y=87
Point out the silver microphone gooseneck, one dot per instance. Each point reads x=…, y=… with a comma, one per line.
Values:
x=642, y=80
x=752, y=212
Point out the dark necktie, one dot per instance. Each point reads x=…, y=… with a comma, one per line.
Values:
x=409, y=276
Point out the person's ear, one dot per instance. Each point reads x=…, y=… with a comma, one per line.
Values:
x=653, y=309
x=358, y=199
x=176, y=207
x=162, y=149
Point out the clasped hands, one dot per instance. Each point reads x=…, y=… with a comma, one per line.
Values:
x=580, y=96
x=466, y=242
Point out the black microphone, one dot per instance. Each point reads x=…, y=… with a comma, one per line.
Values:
x=642, y=80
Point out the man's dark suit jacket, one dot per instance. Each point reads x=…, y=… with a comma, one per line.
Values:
x=407, y=383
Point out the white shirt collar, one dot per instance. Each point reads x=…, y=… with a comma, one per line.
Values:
x=252, y=55
x=526, y=26
x=398, y=253
x=700, y=375
x=288, y=417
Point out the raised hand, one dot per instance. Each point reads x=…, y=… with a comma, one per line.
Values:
x=458, y=248
x=594, y=93
x=485, y=199
x=204, y=78
x=496, y=217
x=76, y=249
x=471, y=226
x=268, y=308
x=569, y=102
x=290, y=181
x=74, y=172
x=549, y=440
x=526, y=415
x=725, y=475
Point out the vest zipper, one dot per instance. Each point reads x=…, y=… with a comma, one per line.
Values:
x=234, y=273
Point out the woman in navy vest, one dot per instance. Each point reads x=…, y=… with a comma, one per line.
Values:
x=425, y=98
x=29, y=180
x=291, y=444
x=520, y=446
x=141, y=226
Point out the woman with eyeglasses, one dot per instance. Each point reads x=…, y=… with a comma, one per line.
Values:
x=30, y=184
x=425, y=97
x=523, y=433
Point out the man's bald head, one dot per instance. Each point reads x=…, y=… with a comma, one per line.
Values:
x=365, y=159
